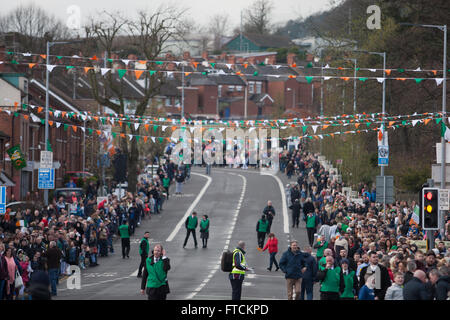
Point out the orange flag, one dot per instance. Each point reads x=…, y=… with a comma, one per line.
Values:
x=122, y=135
x=138, y=73
x=245, y=65
x=400, y=79
x=388, y=71
x=44, y=56
x=195, y=64
x=50, y=123
x=143, y=61
x=391, y=123
x=357, y=125
x=345, y=78
x=31, y=65
x=187, y=73
x=120, y=123
x=25, y=116
x=40, y=109
x=64, y=113
x=145, y=138
x=434, y=72
x=174, y=128
x=94, y=58
x=146, y=126
x=426, y=121
x=74, y=128
x=292, y=76
x=325, y=126
x=294, y=65
x=86, y=69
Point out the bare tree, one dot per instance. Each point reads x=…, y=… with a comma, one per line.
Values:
x=218, y=25
x=34, y=25
x=258, y=16
x=147, y=36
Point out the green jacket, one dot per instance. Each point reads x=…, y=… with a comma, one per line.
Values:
x=156, y=272
x=350, y=284
x=124, y=231
x=332, y=280
x=204, y=225
x=147, y=246
x=262, y=225
x=311, y=221
x=191, y=222
x=321, y=249
x=166, y=182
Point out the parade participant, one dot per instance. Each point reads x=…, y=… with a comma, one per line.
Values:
x=154, y=279
x=191, y=224
x=124, y=232
x=262, y=227
x=144, y=248
x=204, y=230
x=272, y=245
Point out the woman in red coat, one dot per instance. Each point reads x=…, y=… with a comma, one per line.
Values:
x=272, y=245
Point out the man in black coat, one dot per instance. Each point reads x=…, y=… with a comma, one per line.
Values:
x=382, y=279
x=269, y=211
x=295, y=207
x=417, y=288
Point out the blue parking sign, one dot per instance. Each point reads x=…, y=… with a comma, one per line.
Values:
x=2, y=199
x=46, y=179
x=383, y=156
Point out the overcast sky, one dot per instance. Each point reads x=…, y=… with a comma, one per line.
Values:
x=199, y=10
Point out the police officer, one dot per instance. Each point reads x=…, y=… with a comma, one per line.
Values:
x=144, y=248
x=237, y=274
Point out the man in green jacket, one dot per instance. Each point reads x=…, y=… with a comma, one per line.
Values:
x=331, y=281
x=262, y=226
x=191, y=225
x=144, y=248
x=124, y=232
x=154, y=280
x=166, y=184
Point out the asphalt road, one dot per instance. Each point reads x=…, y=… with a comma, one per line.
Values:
x=233, y=199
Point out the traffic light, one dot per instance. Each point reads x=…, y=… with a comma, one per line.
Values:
x=430, y=208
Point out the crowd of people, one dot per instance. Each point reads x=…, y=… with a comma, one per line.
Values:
x=362, y=251
x=37, y=247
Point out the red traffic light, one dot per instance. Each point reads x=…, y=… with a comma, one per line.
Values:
x=429, y=196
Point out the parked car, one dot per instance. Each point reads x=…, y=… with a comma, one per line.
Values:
x=75, y=175
x=68, y=193
x=20, y=205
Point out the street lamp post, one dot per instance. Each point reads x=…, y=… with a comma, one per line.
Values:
x=47, y=98
x=443, y=28
x=354, y=84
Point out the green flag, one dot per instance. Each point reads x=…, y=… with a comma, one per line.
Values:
x=17, y=159
x=309, y=79
x=121, y=73
x=49, y=146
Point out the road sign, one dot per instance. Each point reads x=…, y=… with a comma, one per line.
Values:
x=385, y=189
x=46, y=178
x=383, y=156
x=46, y=159
x=444, y=199
x=2, y=199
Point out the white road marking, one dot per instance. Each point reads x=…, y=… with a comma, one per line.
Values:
x=191, y=208
x=227, y=242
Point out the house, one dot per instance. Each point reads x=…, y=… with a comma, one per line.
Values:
x=252, y=42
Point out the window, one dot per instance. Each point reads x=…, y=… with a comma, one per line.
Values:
x=239, y=88
x=168, y=102
x=231, y=88
x=258, y=87
x=219, y=88
x=251, y=87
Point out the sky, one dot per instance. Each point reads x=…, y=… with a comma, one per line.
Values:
x=199, y=11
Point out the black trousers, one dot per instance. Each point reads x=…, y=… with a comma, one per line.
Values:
x=142, y=265
x=261, y=238
x=125, y=247
x=157, y=293
x=236, y=288
x=295, y=219
x=311, y=232
x=329, y=296
x=189, y=231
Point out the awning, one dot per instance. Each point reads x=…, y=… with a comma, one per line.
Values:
x=5, y=180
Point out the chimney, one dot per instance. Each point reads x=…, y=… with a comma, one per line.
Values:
x=290, y=58
x=205, y=55
x=186, y=56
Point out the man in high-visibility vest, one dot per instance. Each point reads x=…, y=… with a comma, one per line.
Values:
x=237, y=274
x=144, y=248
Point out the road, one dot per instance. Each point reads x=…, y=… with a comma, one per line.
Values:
x=233, y=199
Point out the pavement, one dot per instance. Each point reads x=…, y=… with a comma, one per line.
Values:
x=233, y=199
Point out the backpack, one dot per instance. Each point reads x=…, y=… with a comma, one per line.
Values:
x=227, y=261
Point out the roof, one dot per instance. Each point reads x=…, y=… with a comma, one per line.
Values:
x=227, y=80
x=268, y=41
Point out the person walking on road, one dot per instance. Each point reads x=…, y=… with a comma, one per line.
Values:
x=332, y=280
x=179, y=178
x=272, y=245
x=154, y=279
x=311, y=226
x=53, y=256
x=124, y=232
x=166, y=184
x=237, y=273
x=144, y=249
x=309, y=275
x=296, y=207
x=269, y=211
x=262, y=227
x=204, y=231
x=350, y=281
x=191, y=224
x=293, y=265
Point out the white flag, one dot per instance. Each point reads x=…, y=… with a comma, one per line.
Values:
x=105, y=71
x=50, y=67
x=439, y=81
x=136, y=126
x=153, y=139
x=380, y=80
x=447, y=134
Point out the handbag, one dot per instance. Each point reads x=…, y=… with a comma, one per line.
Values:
x=18, y=282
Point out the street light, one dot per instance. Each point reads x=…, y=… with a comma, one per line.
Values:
x=47, y=97
x=354, y=83
x=444, y=106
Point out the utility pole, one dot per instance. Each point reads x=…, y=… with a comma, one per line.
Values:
x=182, y=90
